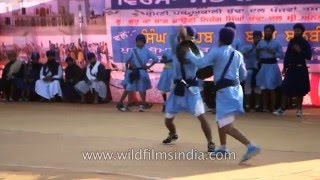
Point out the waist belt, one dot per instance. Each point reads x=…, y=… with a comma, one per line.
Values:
x=268, y=61
x=190, y=82
x=224, y=83
x=179, y=89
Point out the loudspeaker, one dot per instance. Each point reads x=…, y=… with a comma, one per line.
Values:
x=23, y=11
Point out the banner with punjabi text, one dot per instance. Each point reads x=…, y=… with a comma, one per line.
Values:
x=158, y=23
x=161, y=4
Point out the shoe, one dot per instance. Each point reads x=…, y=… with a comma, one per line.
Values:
x=247, y=108
x=299, y=113
x=122, y=108
x=279, y=112
x=119, y=106
x=266, y=110
x=125, y=109
x=257, y=108
x=44, y=100
x=221, y=153
x=211, y=147
x=57, y=99
x=83, y=99
x=251, y=152
x=171, y=138
x=141, y=108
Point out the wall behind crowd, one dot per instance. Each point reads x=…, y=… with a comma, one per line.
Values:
x=39, y=23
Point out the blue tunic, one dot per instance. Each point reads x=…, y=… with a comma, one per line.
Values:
x=186, y=103
x=250, y=56
x=228, y=100
x=125, y=81
x=251, y=60
x=143, y=83
x=166, y=75
x=269, y=75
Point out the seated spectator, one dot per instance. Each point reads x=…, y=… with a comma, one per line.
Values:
x=95, y=80
x=12, y=71
x=48, y=86
x=31, y=75
x=73, y=74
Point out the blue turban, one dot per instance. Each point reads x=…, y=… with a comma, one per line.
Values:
x=257, y=33
x=230, y=25
x=141, y=37
x=191, y=31
x=35, y=55
x=226, y=35
x=299, y=26
x=270, y=26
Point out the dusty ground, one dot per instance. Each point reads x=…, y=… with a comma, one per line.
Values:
x=48, y=141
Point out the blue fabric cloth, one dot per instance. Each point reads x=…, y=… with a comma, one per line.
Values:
x=228, y=100
x=165, y=80
x=144, y=82
x=187, y=102
x=125, y=81
x=251, y=60
x=269, y=75
x=250, y=56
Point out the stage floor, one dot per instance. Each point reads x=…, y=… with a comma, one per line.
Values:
x=47, y=141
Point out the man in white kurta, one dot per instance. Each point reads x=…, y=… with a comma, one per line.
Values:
x=95, y=80
x=48, y=86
